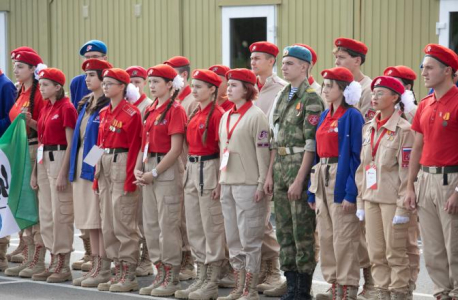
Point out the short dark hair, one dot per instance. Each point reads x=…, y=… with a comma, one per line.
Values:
x=351, y=53
x=183, y=69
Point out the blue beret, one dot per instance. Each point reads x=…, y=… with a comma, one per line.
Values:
x=93, y=45
x=298, y=52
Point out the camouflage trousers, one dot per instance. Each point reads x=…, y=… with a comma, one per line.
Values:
x=295, y=220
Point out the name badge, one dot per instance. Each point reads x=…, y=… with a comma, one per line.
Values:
x=40, y=151
x=145, y=153
x=371, y=177
x=93, y=157
x=224, y=160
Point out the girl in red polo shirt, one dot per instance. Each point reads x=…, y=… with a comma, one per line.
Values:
x=55, y=132
x=158, y=171
x=30, y=102
x=335, y=196
x=222, y=100
x=119, y=137
x=204, y=218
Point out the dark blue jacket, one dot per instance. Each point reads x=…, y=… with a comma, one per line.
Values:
x=92, y=131
x=350, y=127
x=7, y=97
x=78, y=89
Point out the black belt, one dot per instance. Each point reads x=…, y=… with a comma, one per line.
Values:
x=441, y=170
x=196, y=158
x=116, y=150
x=54, y=147
x=33, y=142
x=329, y=160
x=156, y=154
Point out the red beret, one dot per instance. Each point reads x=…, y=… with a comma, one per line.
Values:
x=339, y=73
x=314, y=56
x=53, y=74
x=244, y=75
x=207, y=76
x=177, y=62
x=221, y=70
x=443, y=54
x=30, y=58
x=136, y=71
x=265, y=47
x=95, y=64
x=118, y=74
x=400, y=72
x=164, y=71
x=388, y=82
x=22, y=49
x=351, y=44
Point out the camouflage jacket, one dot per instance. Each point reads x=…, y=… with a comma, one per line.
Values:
x=295, y=120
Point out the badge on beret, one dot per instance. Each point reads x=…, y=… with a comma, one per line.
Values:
x=106, y=73
x=254, y=48
x=313, y=119
x=17, y=56
x=390, y=72
x=339, y=42
x=89, y=47
x=378, y=81
x=215, y=69
x=12, y=55
x=325, y=74
x=134, y=73
x=87, y=65
x=428, y=49
x=229, y=76
x=150, y=72
x=197, y=73
x=286, y=52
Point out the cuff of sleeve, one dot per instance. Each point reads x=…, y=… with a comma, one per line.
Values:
x=360, y=203
x=260, y=187
x=310, y=145
x=311, y=198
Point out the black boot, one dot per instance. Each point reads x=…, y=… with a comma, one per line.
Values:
x=304, y=284
x=291, y=282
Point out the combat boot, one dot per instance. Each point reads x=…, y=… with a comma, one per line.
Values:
x=145, y=267
x=201, y=276
x=171, y=282
x=86, y=257
x=100, y=274
x=277, y=291
x=17, y=255
x=348, y=292
x=251, y=282
x=227, y=277
x=43, y=276
x=3, y=259
x=79, y=280
x=209, y=289
x=187, y=270
x=29, y=251
x=128, y=281
x=158, y=280
x=62, y=272
x=412, y=287
x=304, y=286
x=330, y=294
x=105, y=286
x=291, y=286
x=272, y=276
x=368, y=292
x=237, y=291
x=37, y=265
x=383, y=294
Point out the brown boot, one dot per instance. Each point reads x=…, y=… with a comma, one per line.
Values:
x=29, y=250
x=187, y=271
x=272, y=275
x=227, y=277
x=209, y=289
x=158, y=280
x=383, y=294
x=101, y=273
x=171, y=282
x=62, y=272
x=330, y=294
x=3, y=259
x=105, y=286
x=128, y=281
x=37, y=265
x=79, y=280
x=201, y=276
x=87, y=255
x=145, y=267
x=368, y=291
x=251, y=282
x=43, y=276
x=237, y=291
x=348, y=292
x=17, y=255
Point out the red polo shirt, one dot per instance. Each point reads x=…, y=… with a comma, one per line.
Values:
x=327, y=139
x=437, y=120
x=227, y=105
x=24, y=101
x=54, y=119
x=196, y=128
x=159, y=135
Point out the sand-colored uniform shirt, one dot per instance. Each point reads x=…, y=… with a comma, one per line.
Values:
x=268, y=93
x=364, y=105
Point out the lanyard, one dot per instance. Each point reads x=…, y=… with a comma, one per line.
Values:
x=375, y=148
x=229, y=132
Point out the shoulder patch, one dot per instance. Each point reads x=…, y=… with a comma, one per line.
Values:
x=310, y=90
x=129, y=110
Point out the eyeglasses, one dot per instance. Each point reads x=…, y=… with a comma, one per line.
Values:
x=377, y=95
x=92, y=56
x=109, y=84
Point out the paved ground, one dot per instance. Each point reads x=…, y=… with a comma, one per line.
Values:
x=18, y=288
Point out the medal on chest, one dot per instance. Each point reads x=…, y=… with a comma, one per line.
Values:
x=445, y=117
x=390, y=135
x=116, y=126
x=299, y=107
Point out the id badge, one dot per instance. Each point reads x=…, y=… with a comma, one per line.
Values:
x=40, y=151
x=371, y=177
x=93, y=157
x=224, y=160
x=145, y=153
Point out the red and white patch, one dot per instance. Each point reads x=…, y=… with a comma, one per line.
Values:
x=406, y=156
x=313, y=119
x=254, y=48
x=88, y=48
x=134, y=73
x=41, y=74
x=428, y=49
x=106, y=72
x=215, y=69
x=390, y=72
x=129, y=110
x=17, y=56
x=196, y=73
x=378, y=81
x=55, y=117
x=325, y=74
x=370, y=114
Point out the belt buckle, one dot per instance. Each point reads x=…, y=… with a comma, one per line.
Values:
x=194, y=159
x=282, y=151
x=433, y=170
x=107, y=150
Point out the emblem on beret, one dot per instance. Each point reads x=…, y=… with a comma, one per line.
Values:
x=325, y=74
x=339, y=42
x=378, y=81
x=286, y=52
x=390, y=72
x=215, y=69
x=89, y=47
x=428, y=49
x=87, y=65
x=197, y=73
x=150, y=72
x=254, y=48
x=17, y=56
x=106, y=73
x=12, y=55
x=134, y=73
x=229, y=76
x=42, y=73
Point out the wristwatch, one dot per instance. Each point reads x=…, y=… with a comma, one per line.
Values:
x=154, y=172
